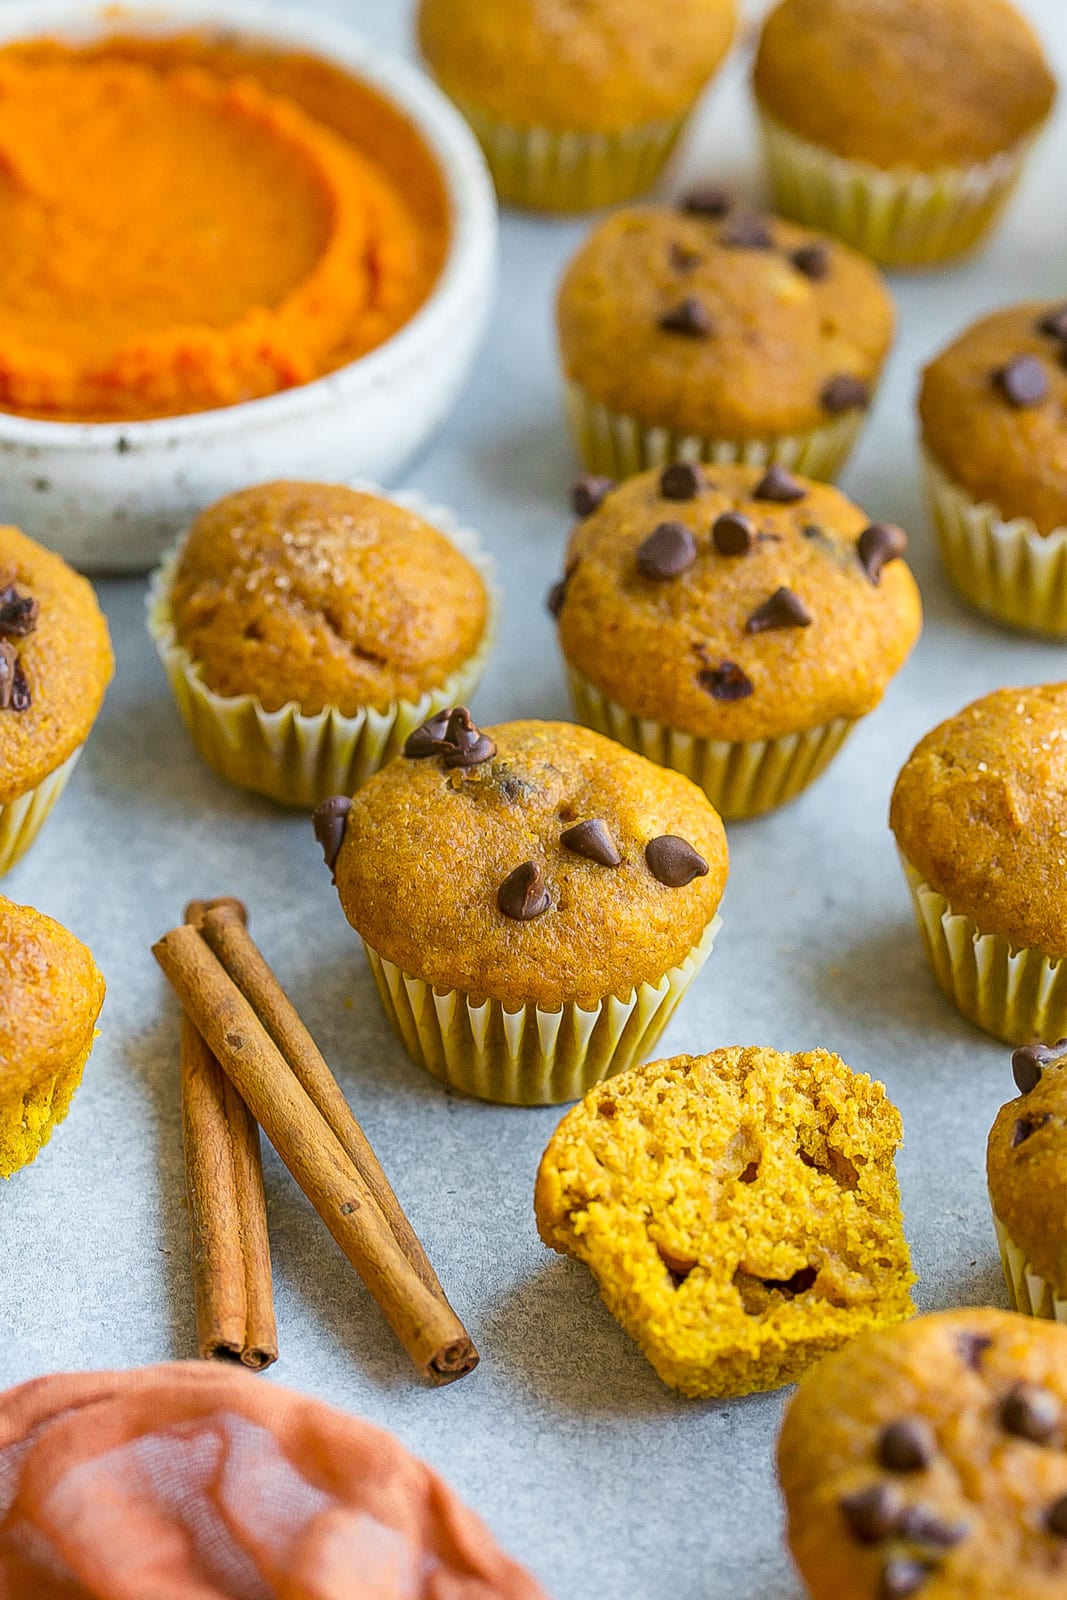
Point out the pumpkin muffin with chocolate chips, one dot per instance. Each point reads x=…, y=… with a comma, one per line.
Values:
x=733, y=623
x=534, y=900
x=1026, y=1163
x=710, y=332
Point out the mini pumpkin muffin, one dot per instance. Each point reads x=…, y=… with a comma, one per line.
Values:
x=533, y=899
x=929, y=1460
x=739, y=1212
x=992, y=407
x=55, y=666
x=733, y=623
x=50, y=998
x=899, y=125
x=576, y=106
x=979, y=821
x=715, y=334
x=307, y=628
x=1026, y=1162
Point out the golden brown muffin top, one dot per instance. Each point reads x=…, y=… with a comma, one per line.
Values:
x=934, y=1453
x=470, y=876
x=979, y=811
x=731, y=326
x=904, y=83
x=801, y=627
x=51, y=992
x=322, y=595
x=1026, y=1161
x=993, y=409
x=582, y=65
x=55, y=662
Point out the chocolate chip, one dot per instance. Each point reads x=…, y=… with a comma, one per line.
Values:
x=1030, y=1412
x=555, y=597
x=673, y=861
x=707, y=200
x=690, y=318
x=846, y=392
x=732, y=534
x=813, y=260
x=902, y=1577
x=679, y=1267
x=972, y=1348
x=329, y=821
x=783, y=609
x=683, y=259
x=9, y=676
x=1054, y=323
x=427, y=740
x=779, y=486
x=589, y=493
x=907, y=1446
x=1056, y=1519
x=726, y=682
x=18, y=614
x=1023, y=382
x=926, y=1527
x=668, y=551
x=878, y=545
x=1030, y=1060
x=873, y=1514
x=1026, y=1127
x=453, y=736
x=20, y=690
x=747, y=233
x=592, y=840
x=682, y=480
x=524, y=895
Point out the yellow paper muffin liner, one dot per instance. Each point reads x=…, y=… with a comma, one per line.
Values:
x=619, y=446
x=1028, y=1291
x=1016, y=995
x=301, y=760
x=741, y=780
x=21, y=820
x=1009, y=570
x=26, y=1123
x=530, y=1057
x=898, y=217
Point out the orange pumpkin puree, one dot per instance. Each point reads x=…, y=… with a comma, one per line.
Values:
x=187, y=224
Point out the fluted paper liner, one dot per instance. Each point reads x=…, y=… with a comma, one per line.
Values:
x=302, y=760
x=21, y=820
x=1028, y=1291
x=1016, y=995
x=900, y=217
x=530, y=1057
x=1009, y=570
x=743, y=779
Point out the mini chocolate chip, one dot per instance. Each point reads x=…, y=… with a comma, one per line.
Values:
x=458, y=741
x=1023, y=382
x=673, y=861
x=682, y=480
x=921, y=1526
x=1026, y=1127
x=907, y=1446
x=1030, y=1060
x=679, y=1267
x=329, y=821
x=845, y=392
x=524, y=895
x=1031, y=1413
x=732, y=534
x=813, y=260
x=589, y=493
x=873, y=1515
x=9, y=663
x=707, y=200
x=592, y=840
x=1054, y=323
x=726, y=682
x=690, y=318
x=902, y=1577
x=747, y=233
x=878, y=545
x=783, y=609
x=683, y=259
x=779, y=486
x=1056, y=1519
x=668, y=551
x=555, y=597
x=20, y=690
x=972, y=1348
x=18, y=614
x=426, y=740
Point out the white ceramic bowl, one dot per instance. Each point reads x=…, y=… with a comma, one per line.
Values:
x=111, y=496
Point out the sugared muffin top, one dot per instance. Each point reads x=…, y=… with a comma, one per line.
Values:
x=1026, y=1161
x=529, y=862
x=736, y=603
x=586, y=65
x=319, y=594
x=719, y=322
x=994, y=412
x=51, y=992
x=904, y=83
x=55, y=662
x=978, y=810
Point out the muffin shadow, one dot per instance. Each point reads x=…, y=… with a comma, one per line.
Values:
x=883, y=974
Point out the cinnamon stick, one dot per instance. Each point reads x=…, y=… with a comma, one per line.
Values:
x=230, y=1248
x=425, y=1324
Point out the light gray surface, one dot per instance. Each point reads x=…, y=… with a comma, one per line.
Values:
x=588, y=1469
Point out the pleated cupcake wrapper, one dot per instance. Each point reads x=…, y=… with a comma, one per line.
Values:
x=545, y=170
x=743, y=779
x=619, y=446
x=899, y=217
x=302, y=760
x=1028, y=1291
x=1009, y=570
x=1016, y=995
x=21, y=820
x=530, y=1057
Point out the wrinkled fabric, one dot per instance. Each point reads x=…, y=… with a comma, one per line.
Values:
x=193, y=1482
